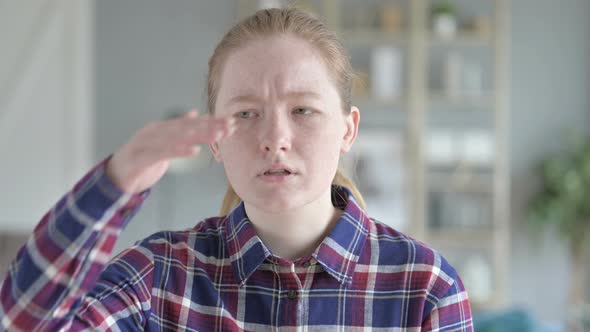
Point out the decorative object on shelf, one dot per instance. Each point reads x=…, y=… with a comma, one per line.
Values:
x=477, y=147
x=377, y=162
x=391, y=18
x=440, y=147
x=457, y=210
x=462, y=77
x=471, y=146
x=481, y=26
x=262, y=4
x=444, y=20
x=386, y=72
x=452, y=75
x=362, y=17
x=563, y=202
x=472, y=79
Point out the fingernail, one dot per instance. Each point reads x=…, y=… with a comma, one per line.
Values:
x=196, y=149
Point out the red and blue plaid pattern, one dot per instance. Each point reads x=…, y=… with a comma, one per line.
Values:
x=219, y=276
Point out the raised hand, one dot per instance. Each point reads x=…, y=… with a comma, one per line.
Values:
x=144, y=159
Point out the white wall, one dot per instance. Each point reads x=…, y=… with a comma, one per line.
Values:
x=45, y=105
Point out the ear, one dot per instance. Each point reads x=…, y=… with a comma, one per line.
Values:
x=214, y=147
x=352, y=126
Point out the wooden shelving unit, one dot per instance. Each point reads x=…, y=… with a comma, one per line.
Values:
x=423, y=107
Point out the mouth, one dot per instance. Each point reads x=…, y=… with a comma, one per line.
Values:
x=277, y=174
x=282, y=171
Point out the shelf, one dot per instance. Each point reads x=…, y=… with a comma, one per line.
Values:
x=392, y=119
x=373, y=103
x=373, y=37
x=460, y=211
x=461, y=186
x=484, y=100
x=460, y=118
x=463, y=38
x=381, y=113
x=461, y=167
x=461, y=237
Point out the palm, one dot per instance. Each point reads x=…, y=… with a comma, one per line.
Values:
x=141, y=162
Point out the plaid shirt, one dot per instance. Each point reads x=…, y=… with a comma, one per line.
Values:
x=219, y=276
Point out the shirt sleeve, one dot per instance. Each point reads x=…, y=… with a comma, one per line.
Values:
x=451, y=311
x=47, y=286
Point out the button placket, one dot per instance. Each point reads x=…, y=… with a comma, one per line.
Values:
x=292, y=294
x=126, y=212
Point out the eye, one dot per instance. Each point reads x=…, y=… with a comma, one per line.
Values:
x=303, y=111
x=244, y=114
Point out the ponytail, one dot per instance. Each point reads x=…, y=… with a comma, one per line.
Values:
x=231, y=199
x=342, y=180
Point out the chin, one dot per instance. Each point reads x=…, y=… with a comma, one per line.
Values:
x=280, y=199
x=277, y=205
x=276, y=202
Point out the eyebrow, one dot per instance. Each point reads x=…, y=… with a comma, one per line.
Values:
x=293, y=94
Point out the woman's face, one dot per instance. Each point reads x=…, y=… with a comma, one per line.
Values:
x=291, y=127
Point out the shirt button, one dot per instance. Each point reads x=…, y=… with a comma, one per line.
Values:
x=126, y=213
x=292, y=294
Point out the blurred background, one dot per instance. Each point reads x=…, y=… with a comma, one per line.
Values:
x=473, y=120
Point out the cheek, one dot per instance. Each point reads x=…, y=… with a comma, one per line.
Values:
x=312, y=125
x=322, y=146
x=230, y=146
x=329, y=134
x=244, y=133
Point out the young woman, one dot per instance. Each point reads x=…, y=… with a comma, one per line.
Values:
x=294, y=248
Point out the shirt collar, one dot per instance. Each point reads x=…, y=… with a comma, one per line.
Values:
x=340, y=250
x=338, y=253
x=246, y=250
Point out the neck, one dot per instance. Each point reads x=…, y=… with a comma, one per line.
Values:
x=298, y=232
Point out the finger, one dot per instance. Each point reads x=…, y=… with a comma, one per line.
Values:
x=176, y=151
x=186, y=130
x=213, y=134
x=192, y=114
x=186, y=116
x=187, y=122
x=210, y=130
x=184, y=151
x=195, y=149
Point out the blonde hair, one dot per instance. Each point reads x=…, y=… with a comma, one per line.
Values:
x=271, y=22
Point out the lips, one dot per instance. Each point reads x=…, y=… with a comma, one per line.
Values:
x=278, y=170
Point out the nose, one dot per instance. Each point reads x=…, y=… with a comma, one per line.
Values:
x=275, y=133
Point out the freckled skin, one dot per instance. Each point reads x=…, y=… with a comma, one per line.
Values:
x=288, y=111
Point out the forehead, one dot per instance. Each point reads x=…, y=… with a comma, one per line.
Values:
x=277, y=65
